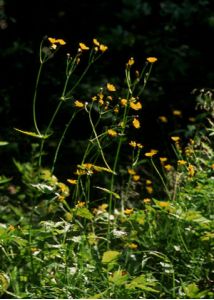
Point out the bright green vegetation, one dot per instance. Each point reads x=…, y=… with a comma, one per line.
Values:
x=129, y=222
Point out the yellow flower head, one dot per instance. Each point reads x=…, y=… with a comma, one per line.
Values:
x=148, y=182
x=131, y=171
x=103, y=48
x=181, y=162
x=168, y=167
x=96, y=43
x=191, y=170
x=61, y=42
x=140, y=146
x=163, y=159
x=128, y=211
x=151, y=153
x=149, y=189
x=131, y=61
x=133, y=144
x=78, y=103
x=80, y=204
x=147, y=200
x=123, y=102
x=163, y=119
x=177, y=113
x=83, y=47
x=175, y=138
x=163, y=203
x=72, y=181
x=136, y=178
x=136, y=123
x=112, y=132
x=151, y=59
x=136, y=106
x=111, y=87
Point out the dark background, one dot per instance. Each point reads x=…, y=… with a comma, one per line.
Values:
x=178, y=33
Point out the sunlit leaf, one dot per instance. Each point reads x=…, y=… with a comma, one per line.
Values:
x=108, y=191
x=110, y=256
x=33, y=134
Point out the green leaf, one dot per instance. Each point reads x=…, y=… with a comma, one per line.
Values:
x=34, y=134
x=84, y=213
x=108, y=191
x=110, y=256
x=118, y=278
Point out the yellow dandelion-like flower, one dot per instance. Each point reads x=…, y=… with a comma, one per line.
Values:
x=116, y=110
x=128, y=211
x=133, y=144
x=131, y=171
x=103, y=48
x=136, y=178
x=61, y=42
x=136, y=123
x=152, y=59
x=80, y=204
x=94, y=98
x=163, y=159
x=151, y=153
x=72, y=181
x=177, y=113
x=123, y=102
x=168, y=167
x=149, y=189
x=111, y=87
x=80, y=172
x=132, y=246
x=112, y=132
x=103, y=207
x=147, y=200
x=78, y=103
x=131, y=61
x=163, y=119
x=191, y=170
x=181, y=162
x=136, y=106
x=96, y=43
x=163, y=203
x=140, y=146
x=148, y=182
x=175, y=138
x=52, y=40
x=83, y=46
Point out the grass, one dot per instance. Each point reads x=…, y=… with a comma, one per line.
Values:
x=129, y=222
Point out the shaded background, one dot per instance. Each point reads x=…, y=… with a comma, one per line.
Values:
x=179, y=33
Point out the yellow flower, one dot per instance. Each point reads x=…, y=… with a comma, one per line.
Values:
x=149, y=189
x=78, y=103
x=123, y=102
x=52, y=40
x=133, y=246
x=136, y=106
x=128, y=211
x=131, y=61
x=116, y=110
x=151, y=153
x=191, y=170
x=136, y=123
x=181, y=162
x=148, y=182
x=140, y=146
x=175, y=138
x=151, y=59
x=147, y=200
x=131, y=171
x=11, y=228
x=136, y=178
x=80, y=204
x=163, y=119
x=96, y=43
x=83, y=46
x=103, y=48
x=61, y=42
x=177, y=113
x=133, y=144
x=72, y=181
x=111, y=87
x=112, y=132
x=163, y=159
x=168, y=167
